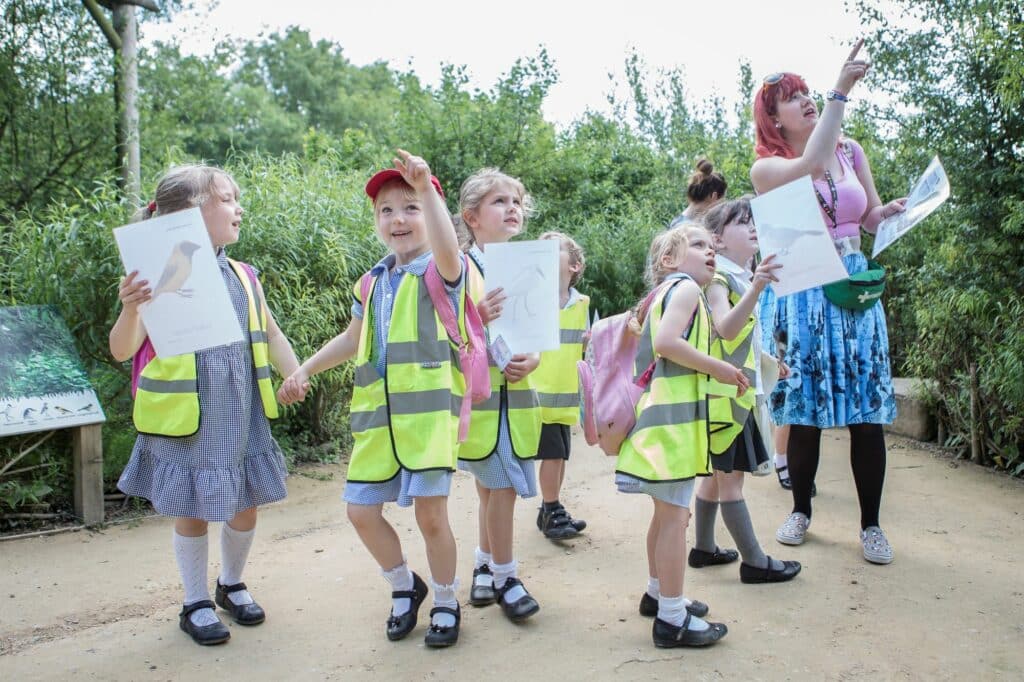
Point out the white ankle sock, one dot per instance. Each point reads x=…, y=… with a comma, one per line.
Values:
x=653, y=587
x=673, y=610
x=400, y=578
x=780, y=461
x=503, y=572
x=444, y=595
x=481, y=558
x=234, y=551
x=192, y=555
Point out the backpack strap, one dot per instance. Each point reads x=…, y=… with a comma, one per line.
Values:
x=448, y=315
x=442, y=304
x=365, y=283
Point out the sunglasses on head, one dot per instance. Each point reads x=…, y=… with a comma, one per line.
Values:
x=772, y=79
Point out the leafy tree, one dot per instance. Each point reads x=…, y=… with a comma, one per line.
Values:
x=953, y=71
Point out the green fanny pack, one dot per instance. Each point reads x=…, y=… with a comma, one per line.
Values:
x=859, y=291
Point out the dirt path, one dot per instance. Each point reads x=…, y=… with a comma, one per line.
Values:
x=104, y=605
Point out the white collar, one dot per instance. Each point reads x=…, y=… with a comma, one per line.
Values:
x=730, y=267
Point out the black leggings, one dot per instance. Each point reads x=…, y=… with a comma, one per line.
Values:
x=867, y=459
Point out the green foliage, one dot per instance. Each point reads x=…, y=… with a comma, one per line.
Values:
x=954, y=71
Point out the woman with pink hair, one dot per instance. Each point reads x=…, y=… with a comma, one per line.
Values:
x=839, y=358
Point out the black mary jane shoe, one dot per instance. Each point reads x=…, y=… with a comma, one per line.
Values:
x=699, y=558
x=521, y=608
x=649, y=607
x=243, y=614
x=753, y=574
x=216, y=633
x=667, y=636
x=440, y=635
x=482, y=595
x=400, y=626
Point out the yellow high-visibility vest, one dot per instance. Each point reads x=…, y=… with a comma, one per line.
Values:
x=727, y=415
x=556, y=379
x=409, y=418
x=521, y=399
x=670, y=439
x=167, y=396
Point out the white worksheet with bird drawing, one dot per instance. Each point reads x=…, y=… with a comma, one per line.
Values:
x=528, y=272
x=190, y=308
x=789, y=224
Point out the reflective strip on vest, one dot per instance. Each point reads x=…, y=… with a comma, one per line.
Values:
x=409, y=418
x=258, y=340
x=727, y=415
x=167, y=397
x=670, y=439
x=523, y=405
x=556, y=378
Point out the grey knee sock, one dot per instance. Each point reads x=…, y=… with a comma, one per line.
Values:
x=704, y=522
x=737, y=520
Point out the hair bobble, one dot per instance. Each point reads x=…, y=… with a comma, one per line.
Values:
x=151, y=206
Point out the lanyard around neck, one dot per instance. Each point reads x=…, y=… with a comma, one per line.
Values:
x=830, y=211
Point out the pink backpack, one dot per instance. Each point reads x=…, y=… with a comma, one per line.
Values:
x=145, y=354
x=610, y=393
x=472, y=350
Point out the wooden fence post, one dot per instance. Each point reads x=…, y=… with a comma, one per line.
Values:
x=88, y=461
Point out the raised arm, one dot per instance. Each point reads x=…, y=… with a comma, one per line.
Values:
x=770, y=172
x=444, y=243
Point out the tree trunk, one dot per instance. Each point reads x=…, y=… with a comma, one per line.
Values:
x=126, y=88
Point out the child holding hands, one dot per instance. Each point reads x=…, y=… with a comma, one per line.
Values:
x=402, y=417
x=204, y=451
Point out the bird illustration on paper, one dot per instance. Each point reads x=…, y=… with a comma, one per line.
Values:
x=521, y=287
x=786, y=237
x=44, y=410
x=177, y=271
x=62, y=410
x=87, y=408
x=27, y=414
x=7, y=412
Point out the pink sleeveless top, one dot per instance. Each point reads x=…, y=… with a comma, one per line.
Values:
x=851, y=198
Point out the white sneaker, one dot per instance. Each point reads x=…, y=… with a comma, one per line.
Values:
x=792, y=532
x=877, y=549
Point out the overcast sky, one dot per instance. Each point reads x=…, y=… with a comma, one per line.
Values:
x=707, y=40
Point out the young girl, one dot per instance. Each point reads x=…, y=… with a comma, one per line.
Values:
x=204, y=452
x=737, y=445
x=401, y=412
x=668, y=447
x=505, y=429
x=557, y=385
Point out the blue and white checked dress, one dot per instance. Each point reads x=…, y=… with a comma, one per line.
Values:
x=232, y=463
x=502, y=469
x=407, y=485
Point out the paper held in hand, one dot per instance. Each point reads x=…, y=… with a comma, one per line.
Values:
x=528, y=272
x=789, y=225
x=930, y=192
x=190, y=308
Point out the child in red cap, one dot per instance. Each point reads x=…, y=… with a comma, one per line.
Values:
x=402, y=418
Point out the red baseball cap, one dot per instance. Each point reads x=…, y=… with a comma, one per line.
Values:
x=380, y=177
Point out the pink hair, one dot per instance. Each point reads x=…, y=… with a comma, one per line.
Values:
x=768, y=139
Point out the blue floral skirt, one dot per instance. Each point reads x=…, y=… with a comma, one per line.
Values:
x=838, y=358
